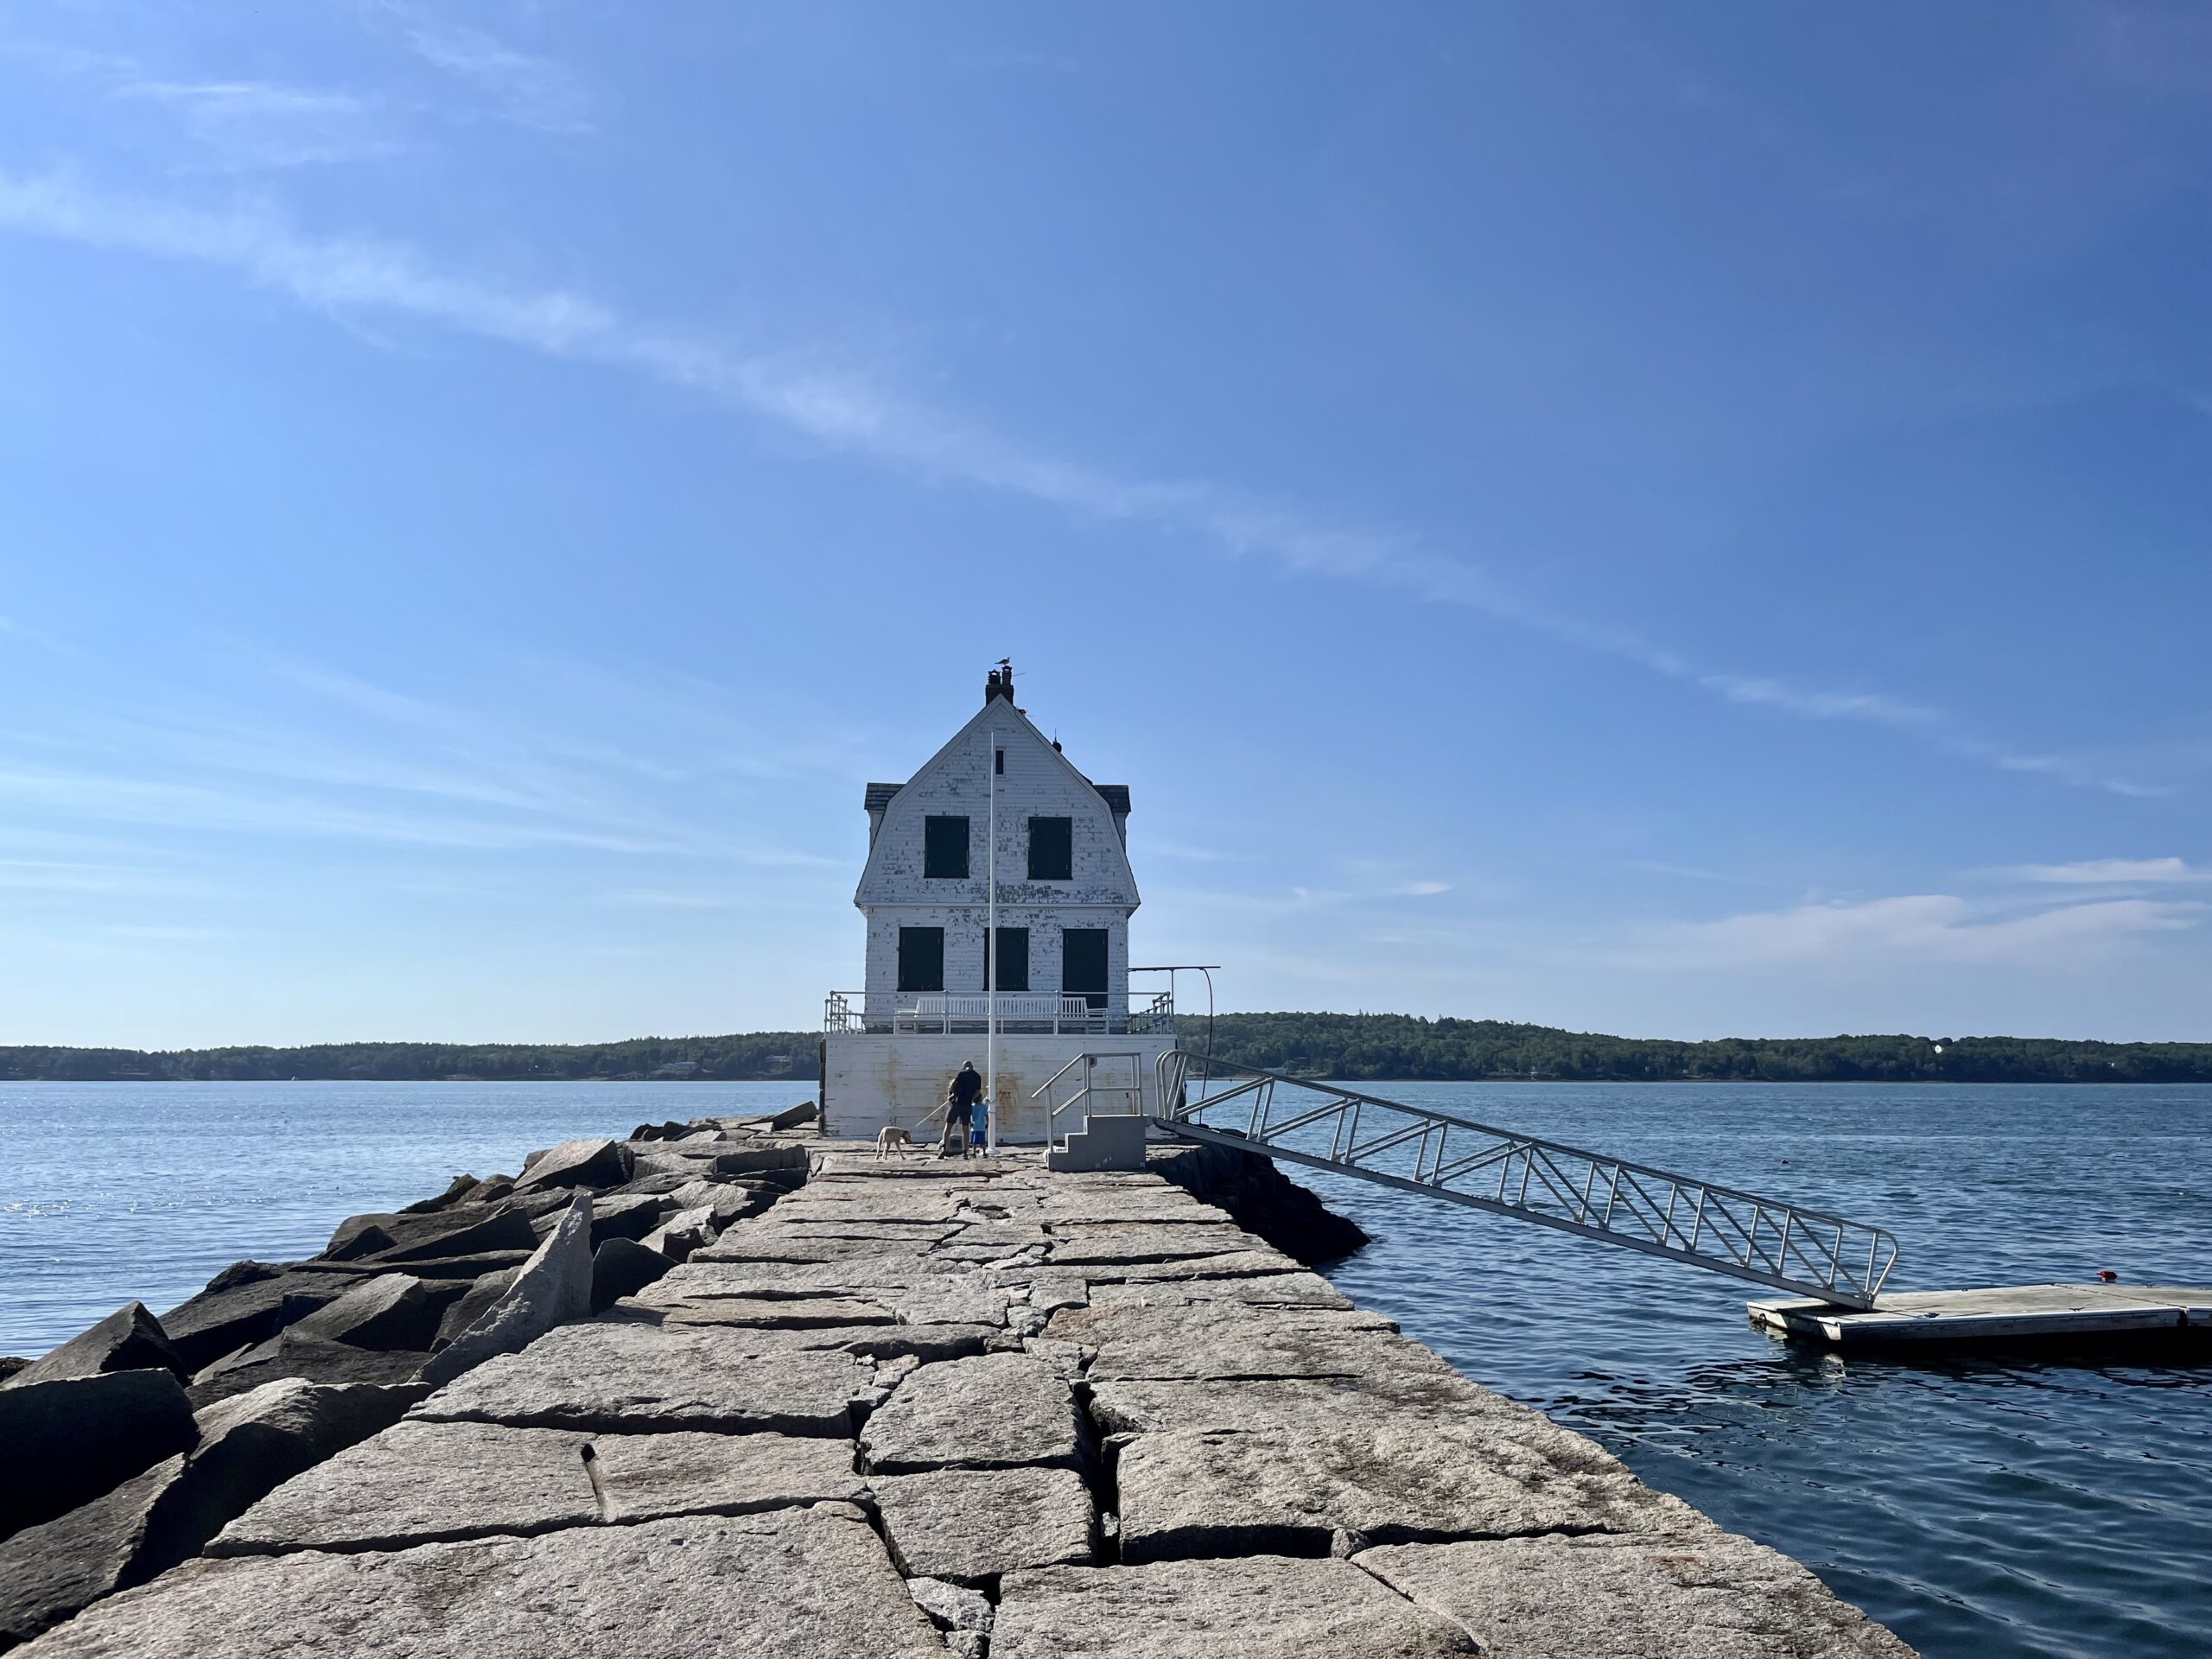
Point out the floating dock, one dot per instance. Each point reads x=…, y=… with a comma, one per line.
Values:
x=2072, y=1316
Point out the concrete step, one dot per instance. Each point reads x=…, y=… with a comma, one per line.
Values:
x=1106, y=1142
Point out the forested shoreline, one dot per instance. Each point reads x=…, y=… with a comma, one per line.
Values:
x=1350, y=1046
x=749, y=1056
x=1359, y=1046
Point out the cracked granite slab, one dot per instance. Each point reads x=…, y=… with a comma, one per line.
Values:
x=1263, y=1607
x=871, y=1273
x=1304, y=1404
x=1250, y=1261
x=879, y=1340
x=1129, y=1245
x=1261, y=1290
x=991, y=1411
x=421, y=1482
x=1699, y=1594
x=743, y=1243
x=1390, y=1477
x=800, y=1584
x=969, y=1525
x=623, y=1376
x=1214, y=1340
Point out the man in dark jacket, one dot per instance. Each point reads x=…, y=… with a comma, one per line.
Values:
x=960, y=1110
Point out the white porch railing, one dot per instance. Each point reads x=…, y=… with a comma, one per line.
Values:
x=934, y=1013
x=1036, y=1012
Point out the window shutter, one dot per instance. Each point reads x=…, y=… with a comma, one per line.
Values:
x=1082, y=964
x=1052, y=849
x=921, y=958
x=944, y=849
x=1012, y=959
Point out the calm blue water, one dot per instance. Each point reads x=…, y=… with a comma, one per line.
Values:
x=112, y=1192
x=1984, y=1510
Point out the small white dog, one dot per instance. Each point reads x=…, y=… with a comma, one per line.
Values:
x=890, y=1139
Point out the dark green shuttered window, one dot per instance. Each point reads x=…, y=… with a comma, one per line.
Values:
x=1014, y=959
x=1052, y=849
x=944, y=849
x=1082, y=963
x=921, y=958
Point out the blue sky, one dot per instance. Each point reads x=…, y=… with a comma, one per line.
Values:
x=1678, y=521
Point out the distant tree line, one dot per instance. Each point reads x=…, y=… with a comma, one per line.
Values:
x=1353, y=1046
x=749, y=1056
x=1350, y=1046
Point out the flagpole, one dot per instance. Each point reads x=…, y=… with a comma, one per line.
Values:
x=991, y=950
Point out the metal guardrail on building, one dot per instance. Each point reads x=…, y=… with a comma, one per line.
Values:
x=1765, y=1240
x=1031, y=1012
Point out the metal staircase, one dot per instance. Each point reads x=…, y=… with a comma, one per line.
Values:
x=1106, y=1095
x=1766, y=1241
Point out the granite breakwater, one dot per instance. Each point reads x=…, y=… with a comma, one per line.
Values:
x=725, y=1387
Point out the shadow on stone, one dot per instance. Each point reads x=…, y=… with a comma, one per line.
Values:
x=71, y=1439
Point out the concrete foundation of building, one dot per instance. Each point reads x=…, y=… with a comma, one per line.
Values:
x=872, y=1078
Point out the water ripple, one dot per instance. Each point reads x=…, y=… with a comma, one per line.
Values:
x=115, y=1192
x=1988, y=1509
x=1992, y=1508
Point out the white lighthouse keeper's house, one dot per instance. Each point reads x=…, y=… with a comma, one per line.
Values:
x=998, y=799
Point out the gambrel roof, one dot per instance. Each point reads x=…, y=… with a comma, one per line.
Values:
x=886, y=807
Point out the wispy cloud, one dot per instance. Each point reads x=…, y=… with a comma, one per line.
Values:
x=2113, y=872
x=2067, y=769
x=1917, y=927
x=1691, y=872
x=369, y=764
x=350, y=691
x=527, y=91
x=138, y=800
x=1258, y=902
x=23, y=633
x=334, y=273
x=849, y=412
x=60, y=61
x=1184, y=850
x=245, y=100
x=65, y=875
x=677, y=898
x=228, y=124
x=1820, y=705
x=1278, y=901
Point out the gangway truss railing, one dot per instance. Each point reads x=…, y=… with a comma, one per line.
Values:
x=1765, y=1240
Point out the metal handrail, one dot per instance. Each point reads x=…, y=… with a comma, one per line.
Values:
x=1204, y=969
x=1088, y=1061
x=1068, y=1014
x=1767, y=1241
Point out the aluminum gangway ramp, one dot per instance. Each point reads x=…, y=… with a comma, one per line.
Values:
x=1767, y=1241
